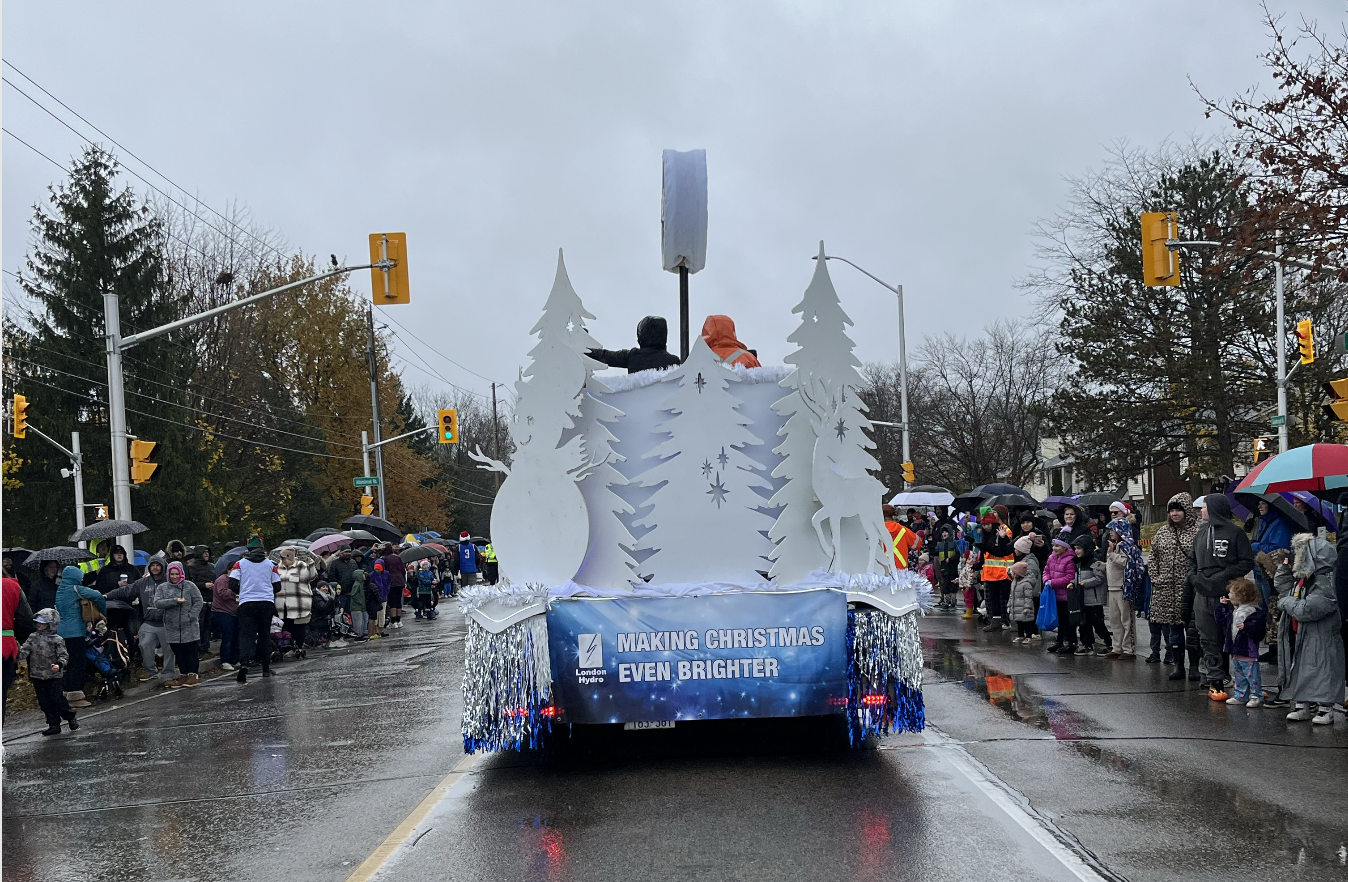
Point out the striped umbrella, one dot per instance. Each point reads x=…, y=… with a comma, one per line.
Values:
x=1321, y=469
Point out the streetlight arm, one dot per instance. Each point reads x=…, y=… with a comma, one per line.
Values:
x=128, y=342
x=400, y=437
x=898, y=291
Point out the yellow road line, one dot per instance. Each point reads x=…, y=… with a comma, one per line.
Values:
x=395, y=840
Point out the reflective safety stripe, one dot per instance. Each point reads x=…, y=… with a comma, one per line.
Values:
x=489, y=554
x=901, y=553
x=995, y=568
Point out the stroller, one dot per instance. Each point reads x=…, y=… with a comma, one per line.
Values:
x=342, y=626
x=108, y=660
x=281, y=639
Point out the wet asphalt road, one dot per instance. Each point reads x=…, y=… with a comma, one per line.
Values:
x=1043, y=768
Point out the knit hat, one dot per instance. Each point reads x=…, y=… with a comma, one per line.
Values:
x=176, y=566
x=1003, y=512
x=255, y=541
x=1023, y=545
x=464, y=535
x=988, y=516
x=1063, y=542
x=1176, y=505
x=1121, y=507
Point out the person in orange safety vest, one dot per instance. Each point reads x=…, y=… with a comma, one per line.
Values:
x=994, y=542
x=906, y=542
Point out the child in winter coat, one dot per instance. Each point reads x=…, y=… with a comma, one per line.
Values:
x=968, y=582
x=1243, y=623
x=946, y=565
x=1059, y=574
x=1094, y=596
x=1025, y=586
x=425, y=581
x=45, y=654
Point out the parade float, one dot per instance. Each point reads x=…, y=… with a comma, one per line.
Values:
x=695, y=543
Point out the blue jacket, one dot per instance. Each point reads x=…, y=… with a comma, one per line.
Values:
x=1274, y=532
x=68, y=595
x=426, y=580
x=468, y=557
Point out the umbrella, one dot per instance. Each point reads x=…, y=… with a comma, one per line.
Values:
x=1097, y=500
x=328, y=544
x=1277, y=501
x=437, y=546
x=381, y=528
x=1053, y=503
x=62, y=554
x=429, y=534
x=16, y=554
x=228, y=558
x=480, y=541
x=923, y=495
x=303, y=554
x=361, y=537
x=321, y=532
x=141, y=557
x=1321, y=469
x=977, y=497
x=419, y=552
x=298, y=543
x=1012, y=500
x=108, y=530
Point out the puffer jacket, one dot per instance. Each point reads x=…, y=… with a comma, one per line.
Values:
x=357, y=592
x=1310, y=648
x=68, y=595
x=181, y=620
x=1059, y=572
x=43, y=649
x=1091, y=577
x=295, y=600
x=1025, y=592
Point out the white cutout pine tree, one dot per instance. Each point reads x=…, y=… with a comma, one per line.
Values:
x=539, y=521
x=826, y=366
x=704, y=524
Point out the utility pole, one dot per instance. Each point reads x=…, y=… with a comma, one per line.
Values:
x=1282, y=346
x=495, y=436
x=77, y=472
x=374, y=410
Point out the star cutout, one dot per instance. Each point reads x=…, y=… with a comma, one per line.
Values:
x=723, y=459
x=841, y=429
x=699, y=382
x=707, y=469
x=718, y=492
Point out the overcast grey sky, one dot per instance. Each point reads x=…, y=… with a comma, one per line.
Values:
x=921, y=140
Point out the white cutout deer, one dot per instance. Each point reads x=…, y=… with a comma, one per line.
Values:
x=843, y=485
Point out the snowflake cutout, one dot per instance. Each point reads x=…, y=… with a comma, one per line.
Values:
x=841, y=429
x=699, y=382
x=722, y=458
x=707, y=469
x=718, y=492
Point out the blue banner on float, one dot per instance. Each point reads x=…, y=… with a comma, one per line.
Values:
x=690, y=658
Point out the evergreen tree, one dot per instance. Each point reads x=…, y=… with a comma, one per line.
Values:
x=92, y=238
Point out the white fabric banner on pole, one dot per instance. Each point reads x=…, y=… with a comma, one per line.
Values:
x=683, y=210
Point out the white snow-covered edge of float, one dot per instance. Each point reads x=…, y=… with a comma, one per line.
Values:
x=497, y=608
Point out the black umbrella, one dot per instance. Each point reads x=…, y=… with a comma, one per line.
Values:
x=381, y=528
x=16, y=554
x=228, y=558
x=1013, y=500
x=361, y=537
x=62, y=554
x=1097, y=500
x=321, y=532
x=108, y=530
x=418, y=552
x=977, y=497
x=1277, y=501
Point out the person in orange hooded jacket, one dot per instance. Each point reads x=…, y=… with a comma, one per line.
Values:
x=719, y=332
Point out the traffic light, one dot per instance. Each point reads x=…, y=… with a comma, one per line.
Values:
x=367, y=505
x=141, y=467
x=908, y=474
x=390, y=285
x=1306, y=341
x=1261, y=451
x=1337, y=408
x=20, y=417
x=1160, y=265
x=449, y=426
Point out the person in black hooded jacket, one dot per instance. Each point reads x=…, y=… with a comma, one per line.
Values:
x=1221, y=552
x=1341, y=566
x=651, y=351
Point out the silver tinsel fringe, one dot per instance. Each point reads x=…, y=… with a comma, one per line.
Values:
x=888, y=648
x=473, y=596
x=507, y=681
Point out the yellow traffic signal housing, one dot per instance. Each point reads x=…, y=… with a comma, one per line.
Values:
x=909, y=474
x=1306, y=341
x=389, y=285
x=100, y=512
x=1160, y=265
x=20, y=416
x=1337, y=408
x=1261, y=451
x=141, y=467
x=448, y=420
x=367, y=505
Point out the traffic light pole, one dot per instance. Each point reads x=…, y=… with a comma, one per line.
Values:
x=1282, y=348
x=116, y=344
x=903, y=358
x=76, y=471
x=374, y=410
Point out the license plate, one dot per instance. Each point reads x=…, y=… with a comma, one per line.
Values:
x=662, y=724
